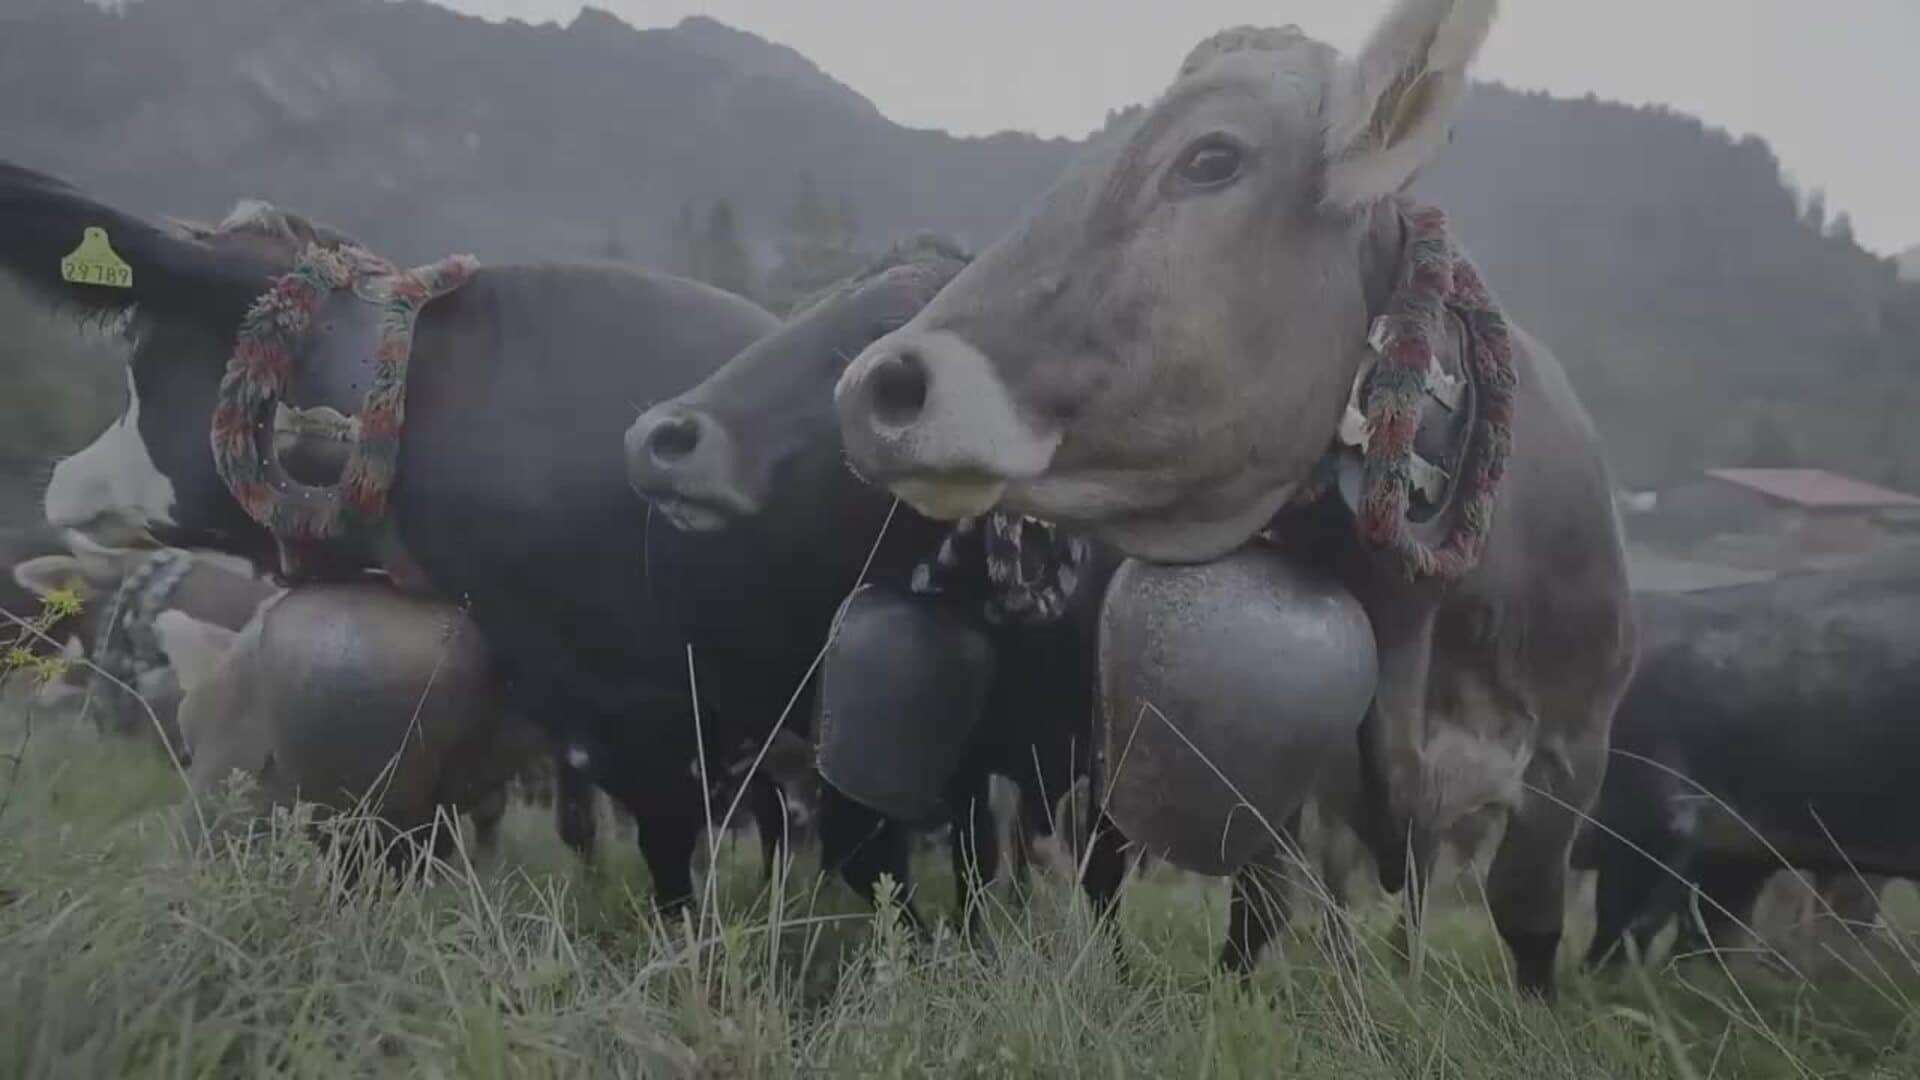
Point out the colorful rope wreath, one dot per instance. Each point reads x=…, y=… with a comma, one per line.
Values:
x=271, y=340
x=1435, y=278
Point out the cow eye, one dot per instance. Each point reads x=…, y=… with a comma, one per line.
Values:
x=1210, y=162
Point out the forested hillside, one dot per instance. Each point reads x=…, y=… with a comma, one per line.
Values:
x=1708, y=313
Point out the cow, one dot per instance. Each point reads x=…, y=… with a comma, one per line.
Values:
x=754, y=445
x=754, y=450
x=1165, y=353
x=1769, y=726
x=117, y=669
x=356, y=698
x=785, y=793
x=513, y=501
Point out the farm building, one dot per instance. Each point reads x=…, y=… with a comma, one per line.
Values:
x=1774, y=519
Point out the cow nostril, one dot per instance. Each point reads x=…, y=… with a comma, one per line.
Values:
x=673, y=439
x=899, y=388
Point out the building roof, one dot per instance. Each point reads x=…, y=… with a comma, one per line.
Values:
x=1815, y=489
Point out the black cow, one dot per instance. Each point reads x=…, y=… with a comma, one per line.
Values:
x=755, y=451
x=513, y=500
x=1769, y=724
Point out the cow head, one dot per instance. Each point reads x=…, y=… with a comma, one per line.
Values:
x=758, y=439
x=150, y=476
x=1162, y=352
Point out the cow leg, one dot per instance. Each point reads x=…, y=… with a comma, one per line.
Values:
x=1257, y=912
x=975, y=847
x=1850, y=898
x=667, y=843
x=1728, y=892
x=486, y=815
x=573, y=816
x=1020, y=841
x=1627, y=899
x=860, y=845
x=1339, y=854
x=1392, y=737
x=1527, y=884
x=1643, y=845
x=1020, y=855
x=770, y=821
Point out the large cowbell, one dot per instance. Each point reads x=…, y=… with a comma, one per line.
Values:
x=1225, y=687
x=902, y=691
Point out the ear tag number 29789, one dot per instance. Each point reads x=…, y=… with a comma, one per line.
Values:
x=95, y=262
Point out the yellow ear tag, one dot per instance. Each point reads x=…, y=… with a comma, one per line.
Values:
x=95, y=262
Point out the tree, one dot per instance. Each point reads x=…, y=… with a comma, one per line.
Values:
x=684, y=259
x=723, y=256
x=1842, y=228
x=1770, y=445
x=817, y=245
x=613, y=248
x=1815, y=214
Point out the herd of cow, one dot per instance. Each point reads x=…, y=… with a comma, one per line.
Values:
x=1228, y=489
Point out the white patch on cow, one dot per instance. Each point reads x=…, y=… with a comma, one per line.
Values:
x=577, y=757
x=113, y=479
x=1468, y=770
x=194, y=648
x=1394, y=104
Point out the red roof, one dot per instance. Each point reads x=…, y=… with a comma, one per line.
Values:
x=1815, y=488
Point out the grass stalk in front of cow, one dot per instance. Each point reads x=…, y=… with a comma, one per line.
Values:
x=130, y=946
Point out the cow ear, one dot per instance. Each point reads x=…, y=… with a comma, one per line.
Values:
x=47, y=574
x=194, y=648
x=1392, y=106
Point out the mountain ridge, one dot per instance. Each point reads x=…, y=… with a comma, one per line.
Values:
x=1694, y=297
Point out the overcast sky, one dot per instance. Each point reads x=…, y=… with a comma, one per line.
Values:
x=1833, y=85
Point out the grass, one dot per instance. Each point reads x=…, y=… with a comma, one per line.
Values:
x=126, y=948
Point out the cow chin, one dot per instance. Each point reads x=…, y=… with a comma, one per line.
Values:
x=1191, y=527
x=692, y=517
x=950, y=498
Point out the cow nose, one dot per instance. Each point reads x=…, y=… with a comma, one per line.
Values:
x=931, y=407
x=897, y=388
x=673, y=439
x=682, y=454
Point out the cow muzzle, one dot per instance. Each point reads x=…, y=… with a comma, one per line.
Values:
x=926, y=414
x=686, y=465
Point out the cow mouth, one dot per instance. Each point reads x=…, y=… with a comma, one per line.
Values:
x=953, y=495
x=693, y=515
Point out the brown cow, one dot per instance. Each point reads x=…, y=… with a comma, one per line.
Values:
x=1165, y=352
x=338, y=693
x=125, y=683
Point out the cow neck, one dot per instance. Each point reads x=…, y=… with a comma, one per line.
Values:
x=1434, y=285
x=128, y=647
x=1015, y=570
x=311, y=524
